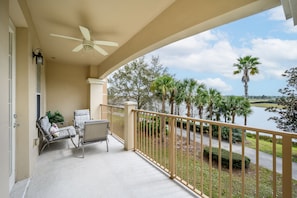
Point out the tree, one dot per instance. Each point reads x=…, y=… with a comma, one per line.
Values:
x=133, y=81
x=200, y=99
x=244, y=108
x=213, y=101
x=287, y=115
x=237, y=105
x=172, y=95
x=179, y=96
x=248, y=66
x=189, y=95
x=162, y=87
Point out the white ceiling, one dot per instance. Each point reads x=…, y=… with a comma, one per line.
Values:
x=111, y=20
x=139, y=26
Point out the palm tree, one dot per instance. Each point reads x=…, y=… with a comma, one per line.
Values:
x=213, y=99
x=190, y=86
x=244, y=109
x=172, y=95
x=179, y=95
x=248, y=66
x=231, y=106
x=161, y=87
x=200, y=99
x=225, y=109
x=239, y=106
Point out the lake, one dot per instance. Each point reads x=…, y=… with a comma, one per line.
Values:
x=259, y=119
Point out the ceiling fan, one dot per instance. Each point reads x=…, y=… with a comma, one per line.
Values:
x=87, y=42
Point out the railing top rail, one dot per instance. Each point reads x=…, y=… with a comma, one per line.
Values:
x=247, y=128
x=113, y=106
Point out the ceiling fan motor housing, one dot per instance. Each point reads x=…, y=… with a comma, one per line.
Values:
x=88, y=44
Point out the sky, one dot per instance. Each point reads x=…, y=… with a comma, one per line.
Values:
x=209, y=56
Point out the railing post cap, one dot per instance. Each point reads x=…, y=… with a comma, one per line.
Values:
x=130, y=103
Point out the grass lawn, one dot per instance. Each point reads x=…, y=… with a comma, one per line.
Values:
x=266, y=147
x=265, y=105
x=196, y=172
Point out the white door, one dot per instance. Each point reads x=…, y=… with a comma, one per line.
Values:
x=11, y=104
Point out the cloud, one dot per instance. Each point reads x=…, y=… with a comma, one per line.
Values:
x=211, y=52
x=205, y=52
x=217, y=84
x=210, y=55
x=276, y=55
x=277, y=14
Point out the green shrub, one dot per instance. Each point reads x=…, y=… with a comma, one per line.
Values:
x=236, y=133
x=236, y=158
x=55, y=117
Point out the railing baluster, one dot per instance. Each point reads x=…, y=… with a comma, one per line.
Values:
x=181, y=147
x=257, y=164
x=188, y=141
x=135, y=130
x=274, y=164
x=172, y=160
x=195, y=156
x=287, y=166
x=230, y=163
x=243, y=163
x=201, y=156
x=210, y=159
x=220, y=159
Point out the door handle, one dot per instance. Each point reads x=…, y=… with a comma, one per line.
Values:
x=16, y=125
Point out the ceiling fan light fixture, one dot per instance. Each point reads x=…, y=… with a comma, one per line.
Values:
x=87, y=43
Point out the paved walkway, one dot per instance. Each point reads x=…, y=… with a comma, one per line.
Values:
x=265, y=160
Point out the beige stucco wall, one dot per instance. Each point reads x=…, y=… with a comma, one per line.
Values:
x=67, y=88
x=26, y=132
x=4, y=172
x=25, y=97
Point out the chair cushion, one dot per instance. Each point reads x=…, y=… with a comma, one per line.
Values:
x=46, y=125
x=64, y=132
x=80, y=116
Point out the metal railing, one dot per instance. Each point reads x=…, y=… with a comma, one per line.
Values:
x=212, y=159
x=115, y=115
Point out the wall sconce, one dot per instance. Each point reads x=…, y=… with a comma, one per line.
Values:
x=38, y=56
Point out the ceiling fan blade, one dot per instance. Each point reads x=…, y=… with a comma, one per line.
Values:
x=65, y=37
x=107, y=43
x=100, y=50
x=78, y=48
x=85, y=32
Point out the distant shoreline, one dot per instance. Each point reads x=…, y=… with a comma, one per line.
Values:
x=264, y=103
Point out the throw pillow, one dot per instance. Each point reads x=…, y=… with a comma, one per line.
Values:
x=54, y=130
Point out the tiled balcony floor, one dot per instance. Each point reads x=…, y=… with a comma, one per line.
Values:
x=61, y=172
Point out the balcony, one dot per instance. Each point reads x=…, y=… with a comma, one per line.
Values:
x=177, y=145
x=61, y=172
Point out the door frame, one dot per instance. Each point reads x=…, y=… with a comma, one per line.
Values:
x=12, y=103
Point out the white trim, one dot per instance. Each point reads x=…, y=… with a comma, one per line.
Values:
x=12, y=106
x=96, y=81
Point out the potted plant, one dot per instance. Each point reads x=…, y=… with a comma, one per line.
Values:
x=55, y=117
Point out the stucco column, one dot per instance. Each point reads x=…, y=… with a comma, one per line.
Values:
x=98, y=96
x=129, y=125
